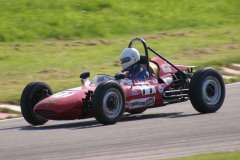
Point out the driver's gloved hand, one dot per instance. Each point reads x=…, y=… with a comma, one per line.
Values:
x=120, y=75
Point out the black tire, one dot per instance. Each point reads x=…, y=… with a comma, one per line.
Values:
x=108, y=102
x=207, y=90
x=138, y=111
x=32, y=94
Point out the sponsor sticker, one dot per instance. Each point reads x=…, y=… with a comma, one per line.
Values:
x=134, y=92
x=167, y=80
x=142, y=102
x=51, y=101
x=166, y=68
x=150, y=101
x=63, y=94
x=160, y=89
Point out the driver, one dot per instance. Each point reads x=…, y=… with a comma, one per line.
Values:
x=130, y=63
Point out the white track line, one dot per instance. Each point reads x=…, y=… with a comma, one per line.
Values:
x=10, y=119
x=232, y=83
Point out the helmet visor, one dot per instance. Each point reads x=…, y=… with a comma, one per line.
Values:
x=126, y=59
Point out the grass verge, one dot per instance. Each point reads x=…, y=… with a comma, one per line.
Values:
x=6, y=113
x=7, y=110
x=213, y=156
x=60, y=62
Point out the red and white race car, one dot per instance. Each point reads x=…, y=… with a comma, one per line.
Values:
x=106, y=97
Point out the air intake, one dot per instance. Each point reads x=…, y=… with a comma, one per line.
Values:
x=45, y=112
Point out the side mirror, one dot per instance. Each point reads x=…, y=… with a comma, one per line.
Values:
x=85, y=75
x=119, y=75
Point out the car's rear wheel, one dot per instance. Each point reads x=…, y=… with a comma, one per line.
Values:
x=207, y=90
x=108, y=102
x=32, y=94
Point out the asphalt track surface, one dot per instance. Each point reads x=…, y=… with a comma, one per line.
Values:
x=172, y=131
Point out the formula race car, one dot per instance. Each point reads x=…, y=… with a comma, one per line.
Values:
x=107, y=97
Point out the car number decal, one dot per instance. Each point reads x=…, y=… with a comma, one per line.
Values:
x=75, y=89
x=146, y=88
x=63, y=94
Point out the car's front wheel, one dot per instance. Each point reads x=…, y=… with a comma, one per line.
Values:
x=108, y=102
x=32, y=94
x=207, y=90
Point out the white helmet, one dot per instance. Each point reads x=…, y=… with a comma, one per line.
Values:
x=129, y=57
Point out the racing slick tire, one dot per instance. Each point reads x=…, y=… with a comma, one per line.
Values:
x=207, y=90
x=108, y=102
x=32, y=94
x=138, y=111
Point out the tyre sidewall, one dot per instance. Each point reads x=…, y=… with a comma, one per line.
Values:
x=27, y=102
x=195, y=90
x=98, y=96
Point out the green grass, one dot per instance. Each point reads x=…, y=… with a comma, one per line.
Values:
x=7, y=110
x=59, y=63
x=54, y=41
x=213, y=156
x=28, y=20
x=12, y=113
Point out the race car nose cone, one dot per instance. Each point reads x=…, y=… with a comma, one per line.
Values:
x=52, y=108
x=45, y=109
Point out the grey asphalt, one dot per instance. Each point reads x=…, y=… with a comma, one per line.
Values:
x=172, y=131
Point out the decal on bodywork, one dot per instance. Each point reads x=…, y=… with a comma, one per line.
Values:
x=75, y=89
x=134, y=92
x=167, y=80
x=63, y=94
x=166, y=68
x=142, y=102
x=146, y=88
x=51, y=101
x=161, y=88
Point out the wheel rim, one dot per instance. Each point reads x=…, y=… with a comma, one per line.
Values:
x=211, y=90
x=112, y=103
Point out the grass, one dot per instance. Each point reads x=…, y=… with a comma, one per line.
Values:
x=12, y=113
x=28, y=20
x=213, y=156
x=7, y=110
x=54, y=41
x=59, y=63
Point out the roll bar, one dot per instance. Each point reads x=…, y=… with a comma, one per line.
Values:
x=145, y=48
x=146, y=54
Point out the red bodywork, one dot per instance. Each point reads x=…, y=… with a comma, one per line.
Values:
x=145, y=93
